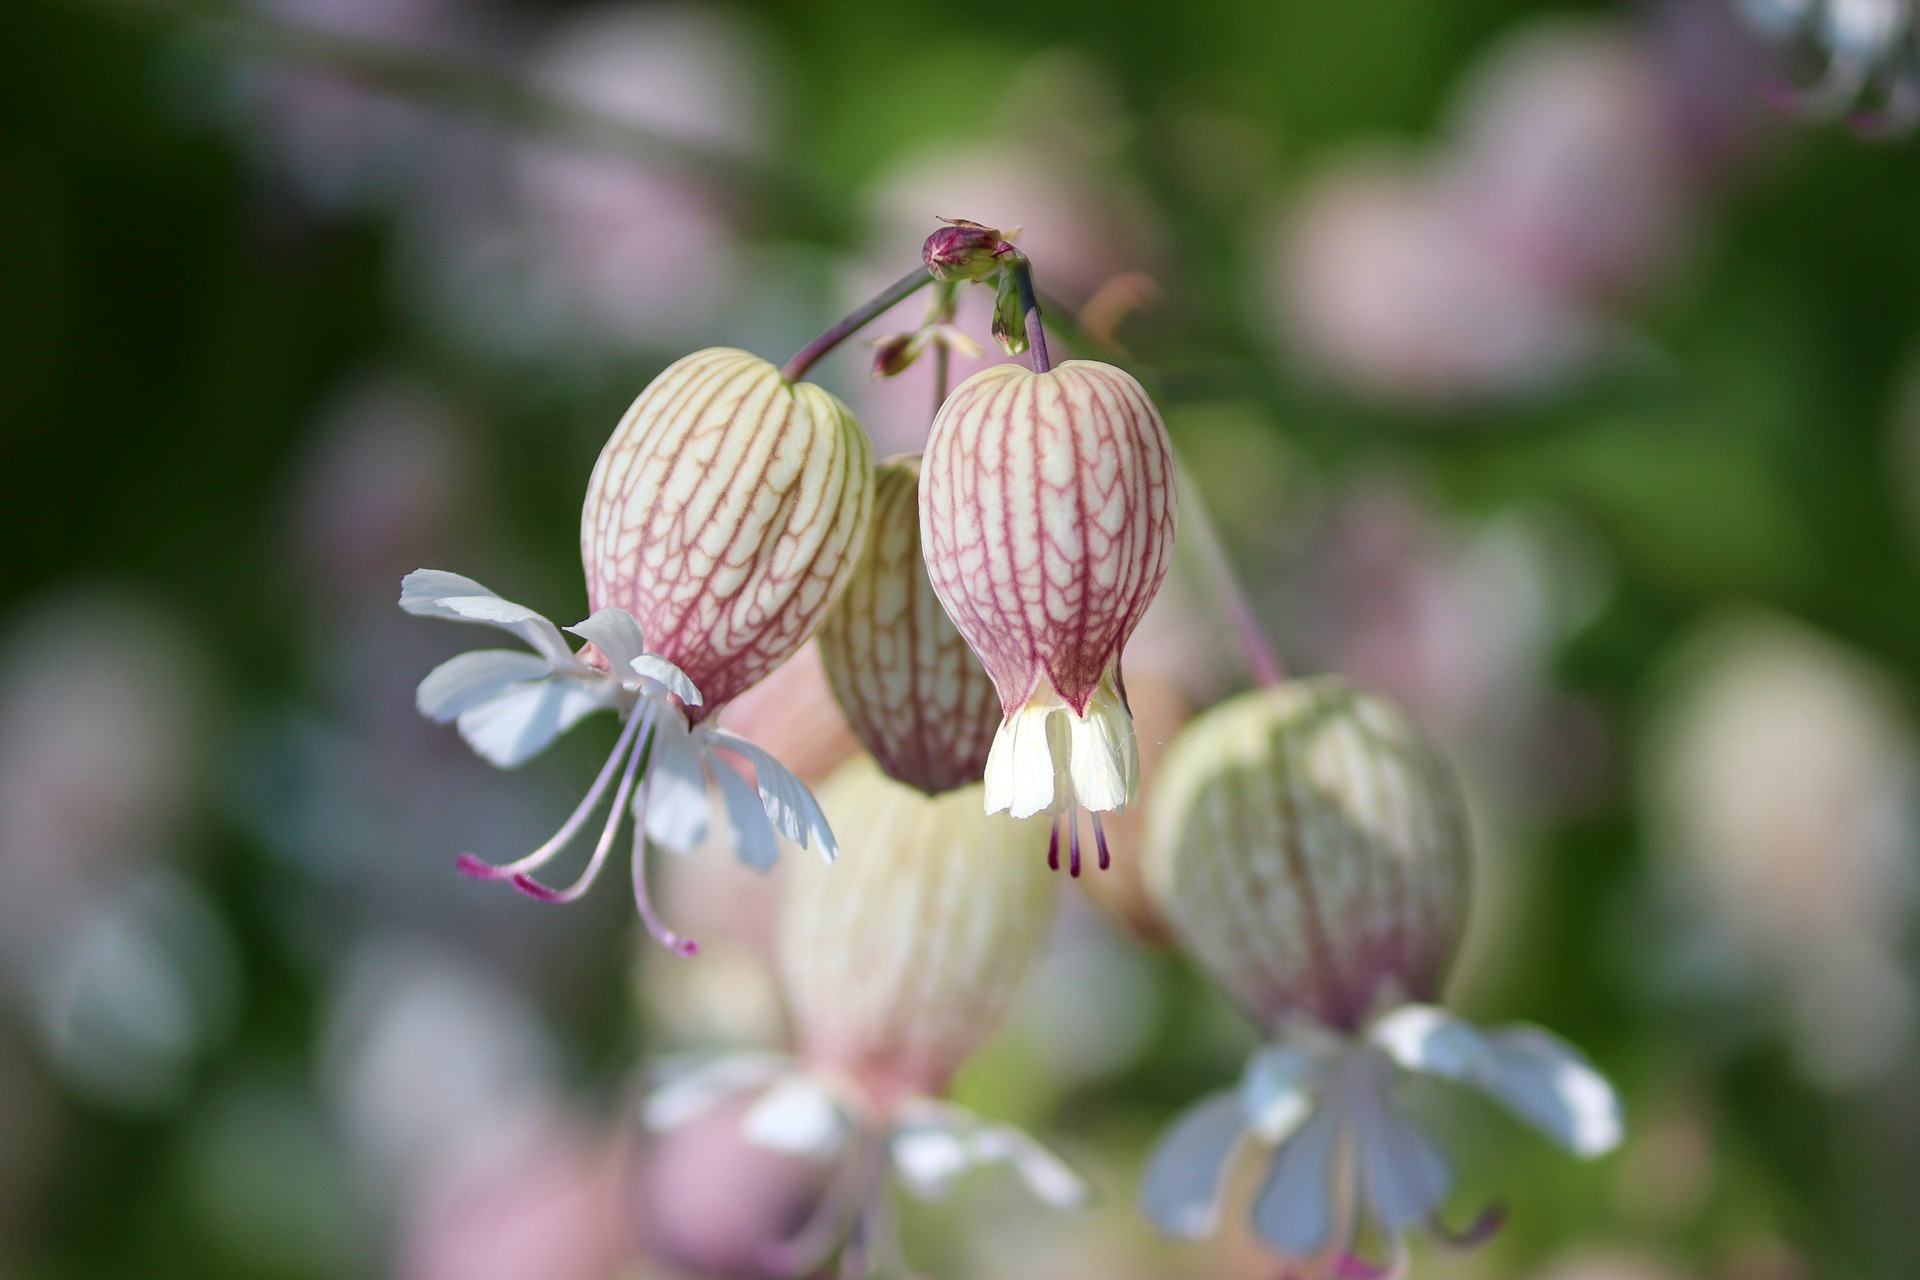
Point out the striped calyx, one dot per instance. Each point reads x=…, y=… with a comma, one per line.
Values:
x=1310, y=849
x=725, y=514
x=1047, y=511
x=901, y=959
x=902, y=673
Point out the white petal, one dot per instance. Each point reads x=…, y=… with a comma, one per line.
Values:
x=676, y=799
x=466, y=680
x=690, y=1088
x=1293, y=1210
x=1103, y=759
x=422, y=590
x=1052, y=1180
x=1541, y=1078
x=798, y=1116
x=935, y=1142
x=1551, y=1085
x=617, y=636
x=434, y=593
x=518, y=724
x=1021, y=773
x=1186, y=1174
x=1405, y=1178
x=753, y=838
x=1422, y=1037
x=652, y=666
x=788, y=802
x=929, y=1159
x=1277, y=1090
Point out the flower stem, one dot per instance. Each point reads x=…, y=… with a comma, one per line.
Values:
x=1263, y=659
x=943, y=311
x=1022, y=271
x=861, y=316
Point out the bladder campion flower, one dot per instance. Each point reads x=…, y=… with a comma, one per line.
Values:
x=898, y=965
x=1311, y=851
x=1047, y=511
x=909, y=685
x=724, y=515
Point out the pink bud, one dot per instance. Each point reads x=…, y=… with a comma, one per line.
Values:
x=1311, y=850
x=962, y=250
x=725, y=514
x=907, y=681
x=1047, y=510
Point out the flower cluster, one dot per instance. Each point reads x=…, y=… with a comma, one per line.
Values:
x=970, y=609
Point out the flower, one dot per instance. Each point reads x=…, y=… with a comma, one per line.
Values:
x=1310, y=850
x=510, y=705
x=901, y=671
x=1867, y=50
x=898, y=967
x=1047, y=512
x=725, y=514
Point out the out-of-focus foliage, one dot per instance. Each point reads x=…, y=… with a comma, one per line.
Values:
x=1539, y=377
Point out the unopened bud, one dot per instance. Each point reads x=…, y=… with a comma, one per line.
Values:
x=895, y=354
x=902, y=958
x=1009, y=318
x=962, y=250
x=725, y=514
x=903, y=674
x=1310, y=849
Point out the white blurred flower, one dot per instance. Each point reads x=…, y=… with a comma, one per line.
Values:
x=124, y=969
x=1343, y=1153
x=1780, y=779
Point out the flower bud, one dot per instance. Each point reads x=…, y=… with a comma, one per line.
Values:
x=1310, y=849
x=1047, y=509
x=901, y=959
x=962, y=250
x=725, y=515
x=894, y=354
x=904, y=676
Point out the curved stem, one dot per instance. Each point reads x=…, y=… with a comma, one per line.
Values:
x=1022, y=271
x=863, y=315
x=1263, y=659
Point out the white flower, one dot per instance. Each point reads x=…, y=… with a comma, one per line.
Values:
x=924, y=1144
x=1322, y=1104
x=510, y=705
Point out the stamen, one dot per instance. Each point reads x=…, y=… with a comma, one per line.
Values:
x=642, y=899
x=477, y=869
x=1100, y=839
x=1073, y=845
x=1053, y=845
x=542, y=893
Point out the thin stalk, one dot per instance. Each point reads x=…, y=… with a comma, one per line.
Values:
x=943, y=310
x=809, y=355
x=1022, y=271
x=1230, y=594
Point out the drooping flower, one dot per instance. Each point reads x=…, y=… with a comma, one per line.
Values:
x=1047, y=511
x=725, y=514
x=909, y=685
x=1310, y=850
x=510, y=705
x=898, y=966
x=722, y=518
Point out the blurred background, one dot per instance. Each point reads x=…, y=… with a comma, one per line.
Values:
x=1541, y=370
